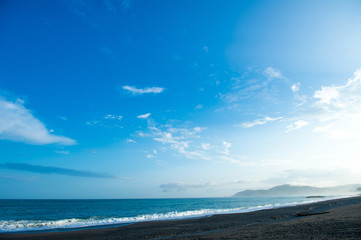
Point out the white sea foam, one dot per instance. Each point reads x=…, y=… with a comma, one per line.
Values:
x=31, y=225
x=41, y=225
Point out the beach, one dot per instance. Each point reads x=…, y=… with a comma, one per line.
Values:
x=332, y=219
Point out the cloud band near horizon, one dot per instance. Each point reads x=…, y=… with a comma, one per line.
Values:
x=55, y=170
x=138, y=91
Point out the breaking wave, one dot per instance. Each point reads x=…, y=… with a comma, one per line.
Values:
x=71, y=223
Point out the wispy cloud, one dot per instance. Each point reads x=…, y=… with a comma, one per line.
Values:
x=92, y=123
x=187, y=142
x=339, y=108
x=65, y=152
x=139, y=91
x=256, y=122
x=296, y=125
x=206, y=146
x=328, y=95
x=18, y=124
x=254, y=87
x=55, y=170
x=226, y=147
x=296, y=87
x=333, y=110
x=63, y=118
x=301, y=99
x=178, y=186
x=273, y=73
x=109, y=120
x=114, y=117
x=340, y=96
x=144, y=116
x=176, y=138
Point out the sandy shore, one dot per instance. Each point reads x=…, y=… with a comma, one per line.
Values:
x=334, y=219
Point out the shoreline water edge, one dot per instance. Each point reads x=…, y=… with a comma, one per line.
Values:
x=70, y=216
x=341, y=217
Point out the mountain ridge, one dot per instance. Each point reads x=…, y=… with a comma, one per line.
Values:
x=295, y=190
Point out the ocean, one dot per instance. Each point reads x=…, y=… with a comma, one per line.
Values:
x=64, y=215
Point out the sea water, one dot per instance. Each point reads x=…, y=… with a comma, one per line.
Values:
x=62, y=215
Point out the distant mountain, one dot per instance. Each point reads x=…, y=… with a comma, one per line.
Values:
x=291, y=190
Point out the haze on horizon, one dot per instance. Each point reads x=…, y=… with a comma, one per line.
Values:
x=160, y=99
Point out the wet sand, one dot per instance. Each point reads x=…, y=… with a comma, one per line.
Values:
x=333, y=219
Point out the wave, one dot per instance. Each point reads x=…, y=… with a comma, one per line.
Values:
x=31, y=225
x=64, y=224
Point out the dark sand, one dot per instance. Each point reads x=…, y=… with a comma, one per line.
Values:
x=336, y=219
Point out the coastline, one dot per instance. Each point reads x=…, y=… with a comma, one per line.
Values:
x=339, y=219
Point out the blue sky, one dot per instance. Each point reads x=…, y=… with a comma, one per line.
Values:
x=153, y=99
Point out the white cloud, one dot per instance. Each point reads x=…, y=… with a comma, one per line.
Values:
x=342, y=95
x=130, y=141
x=150, y=156
x=144, y=116
x=18, y=124
x=92, y=123
x=198, y=129
x=186, y=142
x=113, y=117
x=142, y=134
x=178, y=186
x=227, y=146
x=137, y=91
x=178, y=139
x=296, y=87
x=273, y=73
x=206, y=146
x=106, y=123
x=301, y=99
x=327, y=95
x=254, y=86
x=62, y=152
x=180, y=143
x=63, y=118
x=345, y=126
x=296, y=125
x=165, y=137
x=258, y=122
x=341, y=109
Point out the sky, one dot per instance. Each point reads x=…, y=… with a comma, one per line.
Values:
x=169, y=99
